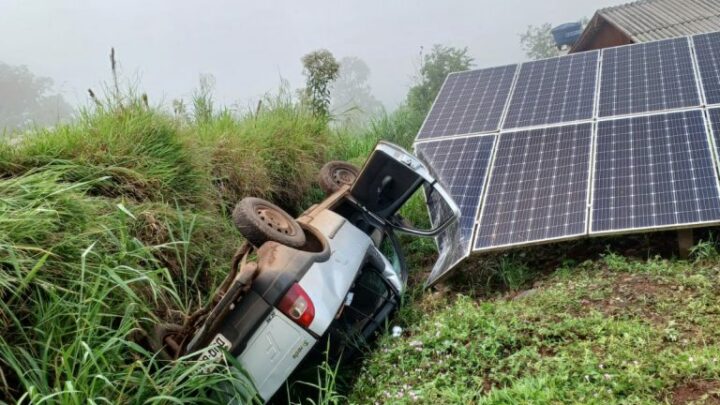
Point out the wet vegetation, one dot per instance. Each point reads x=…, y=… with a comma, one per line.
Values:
x=612, y=330
x=120, y=219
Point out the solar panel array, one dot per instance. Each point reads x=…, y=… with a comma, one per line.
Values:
x=619, y=140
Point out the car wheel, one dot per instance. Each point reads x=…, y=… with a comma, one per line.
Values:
x=336, y=174
x=260, y=221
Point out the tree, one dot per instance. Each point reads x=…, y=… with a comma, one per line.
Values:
x=28, y=99
x=352, y=101
x=435, y=66
x=320, y=69
x=538, y=43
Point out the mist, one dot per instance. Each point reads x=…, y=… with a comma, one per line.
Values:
x=164, y=46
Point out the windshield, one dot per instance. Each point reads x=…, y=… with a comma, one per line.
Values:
x=391, y=249
x=451, y=243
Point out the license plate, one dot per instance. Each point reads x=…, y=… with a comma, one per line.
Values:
x=214, y=352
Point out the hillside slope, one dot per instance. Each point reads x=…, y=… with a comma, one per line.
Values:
x=605, y=332
x=121, y=220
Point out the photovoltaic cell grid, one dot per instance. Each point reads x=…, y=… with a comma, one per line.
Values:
x=654, y=171
x=538, y=187
x=707, y=51
x=647, y=77
x=554, y=90
x=469, y=102
x=461, y=166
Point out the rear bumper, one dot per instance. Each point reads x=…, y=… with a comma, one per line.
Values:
x=242, y=322
x=274, y=351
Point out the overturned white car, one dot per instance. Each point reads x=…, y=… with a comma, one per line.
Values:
x=336, y=272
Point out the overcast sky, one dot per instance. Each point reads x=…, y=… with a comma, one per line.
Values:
x=249, y=45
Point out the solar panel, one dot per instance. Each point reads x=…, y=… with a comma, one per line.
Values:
x=554, y=90
x=647, y=77
x=461, y=166
x=538, y=187
x=653, y=171
x=469, y=102
x=707, y=52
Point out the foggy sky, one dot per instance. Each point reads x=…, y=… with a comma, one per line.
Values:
x=249, y=45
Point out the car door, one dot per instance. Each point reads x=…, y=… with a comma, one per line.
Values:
x=388, y=179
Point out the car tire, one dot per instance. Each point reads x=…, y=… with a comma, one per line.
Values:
x=260, y=221
x=335, y=174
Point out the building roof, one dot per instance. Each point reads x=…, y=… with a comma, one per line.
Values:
x=651, y=20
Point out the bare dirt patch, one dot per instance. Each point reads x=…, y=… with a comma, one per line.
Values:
x=636, y=294
x=697, y=392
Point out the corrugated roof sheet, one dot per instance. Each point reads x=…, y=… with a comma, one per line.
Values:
x=651, y=20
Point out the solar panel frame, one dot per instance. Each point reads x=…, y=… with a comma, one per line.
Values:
x=702, y=50
x=630, y=230
x=488, y=184
x=607, y=52
x=714, y=133
x=593, y=143
x=506, y=72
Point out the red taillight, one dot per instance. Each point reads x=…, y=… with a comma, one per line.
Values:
x=297, y=305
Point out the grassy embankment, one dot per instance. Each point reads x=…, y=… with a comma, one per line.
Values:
x=612, y=330
x=120, y=219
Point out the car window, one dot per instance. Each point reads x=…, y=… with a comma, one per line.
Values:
x=387, y=248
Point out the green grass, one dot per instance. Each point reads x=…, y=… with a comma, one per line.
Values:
x=77, y=281
x=120, y=220
x=609, y=331
x=137, y=150
x=274, y=152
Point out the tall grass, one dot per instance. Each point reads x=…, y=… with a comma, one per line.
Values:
x=120, y=219
x=281, y=144
x=75, y=285
x=137, y=149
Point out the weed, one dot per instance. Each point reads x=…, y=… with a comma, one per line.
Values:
x=90, y=287
x=616, y=262
x=325, y=387
x=513, y=273
x=705, y=249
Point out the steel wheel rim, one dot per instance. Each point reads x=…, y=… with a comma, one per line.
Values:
x=275, y=220
x=343, y=176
